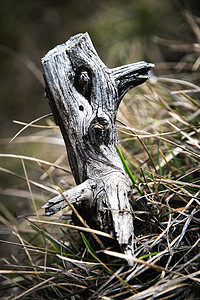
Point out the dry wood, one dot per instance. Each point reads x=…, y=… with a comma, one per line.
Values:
x=84, y=96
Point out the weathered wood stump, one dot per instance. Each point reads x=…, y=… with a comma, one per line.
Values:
x=84, y=96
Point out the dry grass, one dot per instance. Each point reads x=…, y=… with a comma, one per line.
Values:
x=46, y=257
x=159, y=136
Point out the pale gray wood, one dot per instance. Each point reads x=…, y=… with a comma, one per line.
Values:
x=84, y=96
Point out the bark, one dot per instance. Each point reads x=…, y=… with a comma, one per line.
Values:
x=84, y=96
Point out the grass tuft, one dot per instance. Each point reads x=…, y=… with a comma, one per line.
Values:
x=47, y=258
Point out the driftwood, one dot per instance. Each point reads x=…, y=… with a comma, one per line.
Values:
x=84, y=96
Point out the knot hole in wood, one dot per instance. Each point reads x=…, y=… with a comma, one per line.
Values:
x=99, y=131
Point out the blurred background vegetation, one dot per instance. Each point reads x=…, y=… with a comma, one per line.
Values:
x=123, y=31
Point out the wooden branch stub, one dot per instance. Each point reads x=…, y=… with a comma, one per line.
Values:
x=84, y=96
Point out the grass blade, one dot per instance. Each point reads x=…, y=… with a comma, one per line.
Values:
x=128, y=170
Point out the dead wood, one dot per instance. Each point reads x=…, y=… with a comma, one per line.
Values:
x=84, y=96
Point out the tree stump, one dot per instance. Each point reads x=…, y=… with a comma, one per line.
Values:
x=84, y=95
